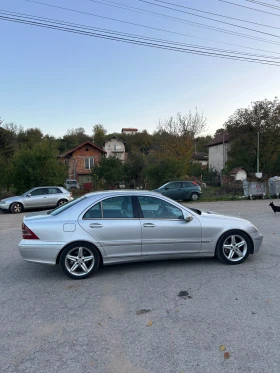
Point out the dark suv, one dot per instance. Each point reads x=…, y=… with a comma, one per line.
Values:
x=180, y=190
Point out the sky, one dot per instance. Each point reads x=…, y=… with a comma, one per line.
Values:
x=57, y=81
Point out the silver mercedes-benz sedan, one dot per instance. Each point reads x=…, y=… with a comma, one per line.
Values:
x=128, y=226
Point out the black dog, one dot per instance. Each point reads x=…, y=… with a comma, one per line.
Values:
x=274, y=208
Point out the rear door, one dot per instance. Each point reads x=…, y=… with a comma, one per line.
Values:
x=164, y=230
x=54, y=195
x=189, y=187
x=37, y=198
x=113, y=223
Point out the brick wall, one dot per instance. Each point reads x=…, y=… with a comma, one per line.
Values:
x=76, y=162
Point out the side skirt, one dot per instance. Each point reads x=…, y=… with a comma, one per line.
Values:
x=145, y=258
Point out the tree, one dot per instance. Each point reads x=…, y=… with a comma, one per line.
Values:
x=99, y=133
x=73, y=138
x=37, y=166
x=7, y=145
x=184, y=125
x=201, y=142
x=263, y=118
x=29, y=137
x=108, y=171
x=134, y=167
x=162, y=170
x=219, y=131
x=176, y=135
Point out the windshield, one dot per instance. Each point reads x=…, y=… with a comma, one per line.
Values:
x=25, y=194
x=71, y=182
x=62, y=208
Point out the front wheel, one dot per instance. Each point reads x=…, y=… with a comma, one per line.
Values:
x=79, y=260
x=194, y=196
x=16, y=208
x=233, y=247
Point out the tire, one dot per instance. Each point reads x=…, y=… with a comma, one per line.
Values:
x=231, y=241
x=61, y=202
x=16, y=208
x=194, y=197
x=72, y=260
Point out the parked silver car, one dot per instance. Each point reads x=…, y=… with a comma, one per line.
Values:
x=128, y=226
x=42, y=197
x=71, y=184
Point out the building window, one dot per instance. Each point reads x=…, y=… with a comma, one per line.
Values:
x=89, y=162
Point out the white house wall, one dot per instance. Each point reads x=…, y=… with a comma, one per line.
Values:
x=110, y=146
x=218, y=156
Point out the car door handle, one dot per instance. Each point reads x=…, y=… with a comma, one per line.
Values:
x=95, y=225
x=148, y=225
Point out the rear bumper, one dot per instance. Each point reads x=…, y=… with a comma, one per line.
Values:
x=40, y=252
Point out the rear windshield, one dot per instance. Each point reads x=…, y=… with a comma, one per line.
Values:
x=62, y=208
x=71, y=182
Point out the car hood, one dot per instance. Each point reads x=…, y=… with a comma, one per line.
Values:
x=12, y=199
x=214, y=214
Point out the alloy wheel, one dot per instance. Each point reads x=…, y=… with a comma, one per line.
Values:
x=16, y=208
x=235, y=248
x=79, y=261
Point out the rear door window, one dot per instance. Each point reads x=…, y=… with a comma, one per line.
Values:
x=111, y=208
x=54, y=190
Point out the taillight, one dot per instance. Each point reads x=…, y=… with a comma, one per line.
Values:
x=194, y=183
x=27, y=233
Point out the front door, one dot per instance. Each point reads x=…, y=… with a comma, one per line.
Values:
x=37, y=198
x=113, y=225
x=173, y=190
x=164, y=230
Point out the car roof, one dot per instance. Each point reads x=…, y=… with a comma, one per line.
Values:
x=48, y=186
x=121, y=192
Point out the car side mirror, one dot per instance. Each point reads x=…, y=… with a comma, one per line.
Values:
x=166, y=188
x=29, y=195
x=188, y=218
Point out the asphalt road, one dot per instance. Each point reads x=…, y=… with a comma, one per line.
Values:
x=53, y=324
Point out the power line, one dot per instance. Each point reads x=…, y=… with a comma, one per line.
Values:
x=135, y=41
x=211, y=19
x=59, y=22
x=201, y=25
x=145, y=26
x=248, y=7
x=219, y=15
x=264, y=4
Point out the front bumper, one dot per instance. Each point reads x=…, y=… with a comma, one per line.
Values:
x=5, y=206
x=257, y=241
x=40, y=252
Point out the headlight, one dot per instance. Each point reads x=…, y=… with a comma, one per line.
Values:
x=3, y=202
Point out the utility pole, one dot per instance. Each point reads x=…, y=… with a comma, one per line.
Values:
x=258, y=173
x=258, y=154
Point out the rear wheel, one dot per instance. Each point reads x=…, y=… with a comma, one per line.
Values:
x=79, y=260
x=194, y=196
x=233, y=247
x=16, y=208
x=61, y=202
